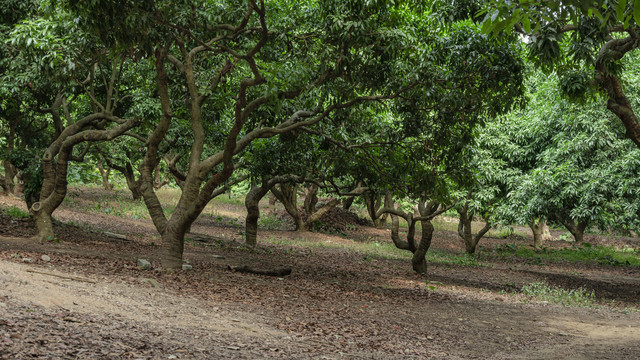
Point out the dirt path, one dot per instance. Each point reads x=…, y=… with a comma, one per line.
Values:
x=337, y=303
x=50, y=317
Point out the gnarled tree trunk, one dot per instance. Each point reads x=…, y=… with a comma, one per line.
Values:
x=104, y=173
x=374, y=202
x=419, y=259
x=427, y=211
x=310, y=198
x=465, y=231
x=251, y=201
x=576, y=228
x=287, y=194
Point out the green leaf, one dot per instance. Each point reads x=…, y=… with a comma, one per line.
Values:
x=636, y=11
x=526, y=24
x=622, y=4
x=495, y=14
x=597, y=13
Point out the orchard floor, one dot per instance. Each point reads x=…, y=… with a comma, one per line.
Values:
x=90, y=301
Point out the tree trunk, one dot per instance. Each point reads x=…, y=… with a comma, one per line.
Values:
x=374, y=202
x=575, y=228
x=173, y=248
x=104, y=173
x=20, y=186
x=310, y=198
x=546, y=233
x=288, y=196
x=318, y=213
x=44, y=225
x=158, y=181
x=419, y=259
x=346, y=203
x=409, y=244
x=537, y=227
x=272, y=199
x=465, y=230
x=9, y=174
x=132, y=184
x=618, y=102
x=253, y=213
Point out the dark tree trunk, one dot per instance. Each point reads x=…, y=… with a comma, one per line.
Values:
x=576, y=228
x=618, y=103
x=346, y=203
x=427, y=211
x=410, y=243
x=253, y=213
x=465, y=231
x=158, y=181
x=310, y=198
x=132, y=184
x=419, y=260
x=374, y=202
x=288, y=196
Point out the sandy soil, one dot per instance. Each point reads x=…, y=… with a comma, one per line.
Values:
x=94, y=302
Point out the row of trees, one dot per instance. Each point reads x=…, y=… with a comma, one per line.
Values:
x=379, y=99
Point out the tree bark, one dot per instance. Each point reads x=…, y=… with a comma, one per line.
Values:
x=310, y=198
x=618, y=102
x=251, y=202
x=272, y=199
x=287, y=194
x=20, y=186
x=465, y=230
x=576, y=228
x=346, y=203
x=134, y=187
x=44, y=225
x=546, y=233
x=104, y=173
x=373, y=202
x=427, y=210
x=537, y=227
x=173, y=246
x=419, y=259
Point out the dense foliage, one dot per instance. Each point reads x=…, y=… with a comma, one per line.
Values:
x=394, y=101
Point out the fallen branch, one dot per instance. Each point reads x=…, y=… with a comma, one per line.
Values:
x=283, y=271
x=62, y=276
x=114, y=235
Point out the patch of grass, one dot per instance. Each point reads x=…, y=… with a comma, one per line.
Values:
x=540, y=291
x=606, y=255
x=226, y=199
x=269, y=222
x=16, y=212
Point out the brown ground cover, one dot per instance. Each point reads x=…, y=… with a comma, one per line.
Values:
x=340, y=302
